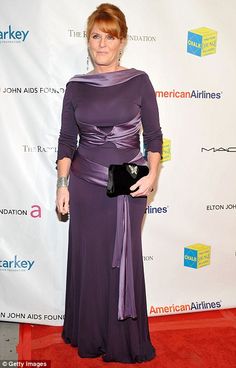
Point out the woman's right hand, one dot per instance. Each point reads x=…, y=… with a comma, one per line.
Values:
x=62, y=200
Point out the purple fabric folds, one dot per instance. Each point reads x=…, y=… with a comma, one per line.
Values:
x=107, y=79
x=122, y=255
x=124, y=135
x=122, y=258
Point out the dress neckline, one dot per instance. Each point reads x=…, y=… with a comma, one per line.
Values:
x=114, y=71
x=107, y=79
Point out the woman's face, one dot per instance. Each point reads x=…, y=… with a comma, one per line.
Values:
x=104, y=48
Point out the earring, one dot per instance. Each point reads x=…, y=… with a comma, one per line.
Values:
x=87, y=63
x=120, y=54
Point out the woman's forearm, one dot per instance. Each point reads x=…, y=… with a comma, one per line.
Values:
x=153, y=159
x=63, y=167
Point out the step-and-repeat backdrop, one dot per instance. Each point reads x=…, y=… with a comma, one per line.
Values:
x=189, y=231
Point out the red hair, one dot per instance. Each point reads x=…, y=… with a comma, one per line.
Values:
x=109, y=19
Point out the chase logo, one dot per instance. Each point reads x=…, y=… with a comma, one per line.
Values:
x=16, y=264
x=166, y=150
x=197, y=255
x=13, y=36
x=202, y=41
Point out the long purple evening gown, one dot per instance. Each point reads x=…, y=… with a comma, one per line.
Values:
x=106, y=312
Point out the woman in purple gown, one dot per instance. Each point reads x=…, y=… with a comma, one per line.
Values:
x=106, y=312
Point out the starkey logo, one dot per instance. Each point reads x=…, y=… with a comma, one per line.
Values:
x=16, y=264
x=10, y=35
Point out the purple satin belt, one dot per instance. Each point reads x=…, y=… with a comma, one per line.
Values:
x=122, y=254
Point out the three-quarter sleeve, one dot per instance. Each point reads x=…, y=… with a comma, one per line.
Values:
x=67, y=142
x=152, y=133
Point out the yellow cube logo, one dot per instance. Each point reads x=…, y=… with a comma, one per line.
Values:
x=166, y=150
x=197, y=255
x=202, y=41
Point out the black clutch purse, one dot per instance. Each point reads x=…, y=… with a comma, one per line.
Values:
x=122, y=177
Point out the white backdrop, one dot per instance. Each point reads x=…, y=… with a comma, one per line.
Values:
x=42, y=45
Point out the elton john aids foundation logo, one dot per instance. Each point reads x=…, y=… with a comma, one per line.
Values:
x=202, y=41
x=197, y=255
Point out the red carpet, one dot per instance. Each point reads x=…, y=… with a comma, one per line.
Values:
x=193, y=340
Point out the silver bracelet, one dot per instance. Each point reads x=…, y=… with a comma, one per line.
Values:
x=62, y=181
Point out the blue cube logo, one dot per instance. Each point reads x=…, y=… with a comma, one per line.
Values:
x=194, y=44
x=190, y=258
x=197, y=255
x=202, y=41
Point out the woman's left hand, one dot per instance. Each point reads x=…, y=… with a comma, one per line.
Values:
x=145, y=186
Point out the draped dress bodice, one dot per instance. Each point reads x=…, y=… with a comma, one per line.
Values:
x=125, y=135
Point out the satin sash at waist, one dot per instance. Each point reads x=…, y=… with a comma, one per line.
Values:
x=95, y=173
